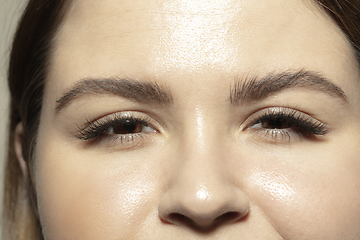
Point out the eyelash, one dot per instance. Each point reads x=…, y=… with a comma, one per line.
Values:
x=104, y=129
x=298, y=124
x=293, y=123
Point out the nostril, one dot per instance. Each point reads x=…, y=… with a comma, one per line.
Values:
x=187, y=208
x=228, y=217
x=178, y=218
x=204, y=223
x=203, y=226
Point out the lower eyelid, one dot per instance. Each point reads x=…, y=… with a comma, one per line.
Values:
x=280, y=134
x=120, y=142
x=123, y=138
x=302, y=125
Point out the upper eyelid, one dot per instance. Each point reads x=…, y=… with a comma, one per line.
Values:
x=279, y=110
x=305, y=124
x=109, y=119
x=114, y=116
x=284, y=110
x=98, y=136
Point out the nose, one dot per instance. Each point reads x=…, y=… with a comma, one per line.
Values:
x=201, y=195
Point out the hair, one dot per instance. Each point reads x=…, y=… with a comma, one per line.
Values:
x=29, y=59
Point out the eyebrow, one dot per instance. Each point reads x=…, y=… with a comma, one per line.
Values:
x=139, y=91
x=254, y=89
x=248, y=90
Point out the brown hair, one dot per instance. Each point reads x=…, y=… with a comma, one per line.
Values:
x=29, y=57
x=29, y=61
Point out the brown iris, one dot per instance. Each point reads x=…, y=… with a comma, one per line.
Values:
x=276, y=123
x=128, y=127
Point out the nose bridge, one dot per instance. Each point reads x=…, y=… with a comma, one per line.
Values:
x=200, y=174
x=196, y=131
x=201, y=154
x=201, y=135
x=202, y=160
x=202, y=151
x=201, y=194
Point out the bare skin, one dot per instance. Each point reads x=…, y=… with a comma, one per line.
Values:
x=202, y=162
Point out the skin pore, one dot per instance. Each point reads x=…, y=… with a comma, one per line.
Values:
x=197, y=162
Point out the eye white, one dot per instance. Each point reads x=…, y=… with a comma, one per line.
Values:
x=257, y=125
x=147, y=129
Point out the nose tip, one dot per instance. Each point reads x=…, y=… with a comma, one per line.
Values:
x=204, y=210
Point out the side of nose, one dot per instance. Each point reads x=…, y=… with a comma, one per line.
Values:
x=201, y=195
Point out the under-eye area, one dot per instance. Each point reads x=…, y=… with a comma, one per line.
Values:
x=282, y=124
x=123, y=128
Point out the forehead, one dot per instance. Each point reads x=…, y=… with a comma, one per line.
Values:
x=157, y=37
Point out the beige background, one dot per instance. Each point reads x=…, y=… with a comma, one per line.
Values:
x=10, y=11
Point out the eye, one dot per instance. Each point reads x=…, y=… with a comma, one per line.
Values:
x=130, y=126
x=275, y=122
x=118, y=128
x=281, y=123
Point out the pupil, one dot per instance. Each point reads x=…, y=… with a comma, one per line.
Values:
x=276, y=123
x=127, y=127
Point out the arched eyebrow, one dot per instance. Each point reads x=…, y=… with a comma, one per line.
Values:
x=243, y=91
x=254, y=89
x=139, y=91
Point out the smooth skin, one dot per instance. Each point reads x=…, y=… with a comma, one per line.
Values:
x=202, y=169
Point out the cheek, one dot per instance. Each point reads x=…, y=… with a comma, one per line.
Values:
x=82, y=196
x=320, y=201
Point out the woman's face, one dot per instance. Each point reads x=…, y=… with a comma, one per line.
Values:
x=196, y=119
